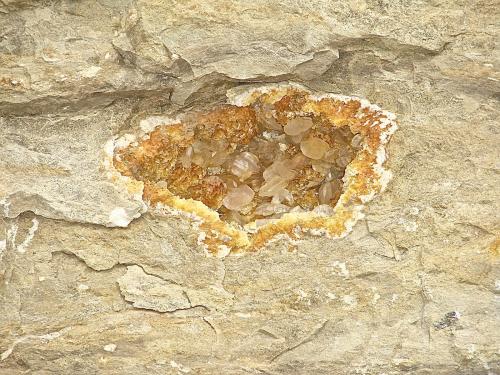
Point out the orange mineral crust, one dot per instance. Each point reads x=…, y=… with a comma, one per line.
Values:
x=275, y=160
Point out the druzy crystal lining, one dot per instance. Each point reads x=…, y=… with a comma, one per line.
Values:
x=273, y=160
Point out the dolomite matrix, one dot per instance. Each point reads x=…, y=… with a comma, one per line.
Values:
x=103, y=268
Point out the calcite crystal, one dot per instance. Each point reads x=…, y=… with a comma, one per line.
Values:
x=273, y=160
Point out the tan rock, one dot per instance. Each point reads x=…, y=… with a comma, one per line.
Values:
x=412, y=289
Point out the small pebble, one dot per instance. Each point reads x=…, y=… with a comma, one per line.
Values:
x=109, y=348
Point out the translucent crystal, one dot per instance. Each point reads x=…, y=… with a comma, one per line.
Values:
x=334, y=174
x=282, y=195
x=244, y=165
x=236, y=217
x=218, y=158
x=325, y=193
x=267, y=209
x=344, y=157
x=296, y=139
x=324, y=209
x=298, y=125
x=266, y=150
x=299, y=161
x=266, y=117
x=261, y=222
x=230, y=180
x=328, y=191
x=273, y=186
x=321, y=166
x=272, y=124
x=254, y=182
x=280, y=168
x=314, y=148
x=219, y=152
x=214, y=180
x=357, y=141
x=237, y=198
x=297, y=210
x=201, y=153
x=331, y=155
x=186, y=158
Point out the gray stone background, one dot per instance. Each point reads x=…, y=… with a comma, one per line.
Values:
x=412, y=290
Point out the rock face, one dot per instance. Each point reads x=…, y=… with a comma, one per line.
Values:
x=93, y=283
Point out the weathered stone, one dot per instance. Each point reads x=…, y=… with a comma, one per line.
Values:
x=412, y=289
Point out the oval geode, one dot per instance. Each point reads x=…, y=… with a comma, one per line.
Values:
x=275, y=160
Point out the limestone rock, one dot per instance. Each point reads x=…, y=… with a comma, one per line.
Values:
x=412, y=289
x=61, y=174
x=151, y=292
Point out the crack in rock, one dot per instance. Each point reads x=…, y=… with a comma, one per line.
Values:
x=47, y=337
x=153, y=293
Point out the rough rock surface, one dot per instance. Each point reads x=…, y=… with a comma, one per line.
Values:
x=413, y=289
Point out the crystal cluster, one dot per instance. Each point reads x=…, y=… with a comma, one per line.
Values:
x=272, y=161
x=251, y=164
